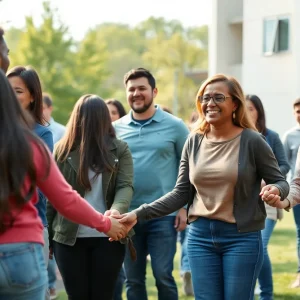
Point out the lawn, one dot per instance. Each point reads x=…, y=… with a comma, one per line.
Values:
x=283, y=255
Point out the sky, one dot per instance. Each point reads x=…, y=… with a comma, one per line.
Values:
x=79, y=16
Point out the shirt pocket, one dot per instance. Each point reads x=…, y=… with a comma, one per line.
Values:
x=22, y=265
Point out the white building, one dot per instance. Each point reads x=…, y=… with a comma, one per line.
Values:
x=258, y=42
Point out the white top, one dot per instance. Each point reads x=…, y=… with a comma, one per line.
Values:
x=95, y=198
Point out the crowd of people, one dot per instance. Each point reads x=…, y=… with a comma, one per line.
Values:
x=111, y=192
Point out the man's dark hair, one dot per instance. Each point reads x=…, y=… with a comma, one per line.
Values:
x=296, y=102
x=138, y=73
x=47, y=100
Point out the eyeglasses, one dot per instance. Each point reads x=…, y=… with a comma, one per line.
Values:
x=217, y=98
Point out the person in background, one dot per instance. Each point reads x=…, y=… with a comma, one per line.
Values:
x=26, y=164
x=99, y=167
x=225, y=211
x=4, y=51
x=155, y=139
x=116, y=109
x=257, y=114
x=291, y=143
x=57, y=129
x=26, y=84
x=185, y=270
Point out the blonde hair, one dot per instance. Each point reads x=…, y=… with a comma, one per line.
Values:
x=235, y=90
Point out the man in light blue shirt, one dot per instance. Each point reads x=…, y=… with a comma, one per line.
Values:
x=155, y=139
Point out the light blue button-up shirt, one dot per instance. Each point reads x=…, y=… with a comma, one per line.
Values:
x=156, y=148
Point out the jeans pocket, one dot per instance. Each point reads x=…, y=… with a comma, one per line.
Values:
x=21, y=265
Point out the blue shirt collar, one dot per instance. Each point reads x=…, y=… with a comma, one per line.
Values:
x=157, y=117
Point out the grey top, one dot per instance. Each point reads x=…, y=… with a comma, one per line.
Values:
x=95, y=198
x=57, y=129
x=256, y=162
x=291, y=143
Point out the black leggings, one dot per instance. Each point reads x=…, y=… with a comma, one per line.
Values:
x=90, y=268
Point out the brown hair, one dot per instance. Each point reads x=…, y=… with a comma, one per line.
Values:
x=235, y=90
x=261, y=116
x=296, y=102
x=89, y=131
x=33, y=84
x=139, y=73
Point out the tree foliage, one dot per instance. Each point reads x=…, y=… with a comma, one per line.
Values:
x=97, y=63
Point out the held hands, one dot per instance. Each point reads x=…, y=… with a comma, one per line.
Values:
x=270, y=194
x=127, y=220
x=120, y=224
x=117, y=230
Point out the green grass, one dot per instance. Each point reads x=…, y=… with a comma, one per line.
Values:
x=282, y=251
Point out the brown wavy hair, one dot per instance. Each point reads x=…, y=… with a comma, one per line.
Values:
x=236, y=92
x=89, y=131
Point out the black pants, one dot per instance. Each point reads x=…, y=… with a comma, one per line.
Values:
x=90, y=268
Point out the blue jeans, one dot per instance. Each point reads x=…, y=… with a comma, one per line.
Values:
x=184, y=261
x=23, y=272
x=296, y=211
x=265, y=276
x=158, y=238
x=51, y=273
x=119, y=285
x=225, y=263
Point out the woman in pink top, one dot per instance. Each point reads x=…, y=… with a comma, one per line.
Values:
x=25, y=165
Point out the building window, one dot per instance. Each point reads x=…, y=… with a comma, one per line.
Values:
x=276, y=35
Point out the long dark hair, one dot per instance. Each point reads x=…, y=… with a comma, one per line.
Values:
x=16, y=156
x=118, y=105
x=33, y=84
x=261, y=117
x=89, y=131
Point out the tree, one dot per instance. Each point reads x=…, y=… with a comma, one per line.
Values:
x=171, y=51
x=66, y=70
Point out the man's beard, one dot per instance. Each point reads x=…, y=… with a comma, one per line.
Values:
x=142, y=109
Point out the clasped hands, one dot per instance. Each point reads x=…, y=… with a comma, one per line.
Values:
x=271, y=195
x=120, y=224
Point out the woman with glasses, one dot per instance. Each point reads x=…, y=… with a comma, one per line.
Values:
x=223, y=163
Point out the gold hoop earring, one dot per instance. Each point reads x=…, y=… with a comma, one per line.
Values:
x=233, y=115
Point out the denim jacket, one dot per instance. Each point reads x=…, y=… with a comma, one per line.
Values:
x=46, y=135
x=117, y=190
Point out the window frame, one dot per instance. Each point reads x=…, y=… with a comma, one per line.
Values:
x=275, y=49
